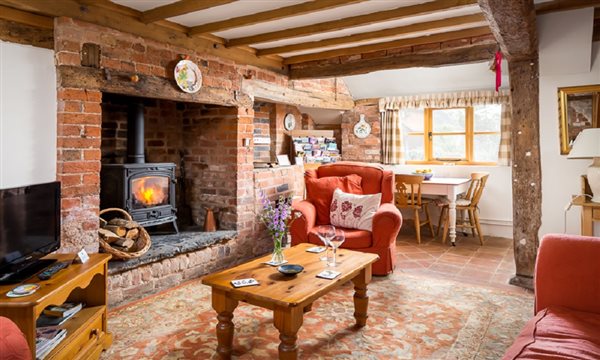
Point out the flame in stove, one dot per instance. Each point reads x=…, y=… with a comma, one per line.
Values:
x=151, y=190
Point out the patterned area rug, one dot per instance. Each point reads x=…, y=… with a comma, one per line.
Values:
x=410, y=317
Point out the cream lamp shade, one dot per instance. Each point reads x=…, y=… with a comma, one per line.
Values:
x=587, y=146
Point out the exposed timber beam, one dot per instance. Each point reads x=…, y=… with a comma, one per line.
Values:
x=359, y=20
x=22, y=33
x=563, y=5
x=454, y=56
x=25, y=17
x=265, y=91
x=275, y=14
x=513, y=25
x=429, y=26
x=452, y=35
x=180, y=7
x=121, y=21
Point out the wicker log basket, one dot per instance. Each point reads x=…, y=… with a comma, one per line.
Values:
x=142, y=244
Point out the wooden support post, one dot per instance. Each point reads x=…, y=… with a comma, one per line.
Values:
x=527, y=174
x=513, y=24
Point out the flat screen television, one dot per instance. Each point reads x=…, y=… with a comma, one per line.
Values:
x=29, y=229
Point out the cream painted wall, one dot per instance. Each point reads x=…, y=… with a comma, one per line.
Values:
x=27, y=115
x=560, y=34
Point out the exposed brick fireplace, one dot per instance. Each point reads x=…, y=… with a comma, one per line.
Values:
x=207, y=136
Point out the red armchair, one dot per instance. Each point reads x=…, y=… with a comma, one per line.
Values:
x=13, y=345
x=386, y=222
x=567, y=302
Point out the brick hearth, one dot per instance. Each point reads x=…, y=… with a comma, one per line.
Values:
x=207, y=132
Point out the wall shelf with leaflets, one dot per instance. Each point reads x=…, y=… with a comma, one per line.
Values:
x=315, y=147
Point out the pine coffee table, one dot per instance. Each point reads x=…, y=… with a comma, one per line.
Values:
x=288, y=297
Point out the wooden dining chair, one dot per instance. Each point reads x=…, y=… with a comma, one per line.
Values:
x=408, y=196
x=467, y=203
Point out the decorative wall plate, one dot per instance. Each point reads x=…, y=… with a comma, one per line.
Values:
x=188, y=77
x=289, y=122
x=362, y=129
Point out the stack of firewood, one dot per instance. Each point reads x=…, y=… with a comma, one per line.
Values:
x=121, y=234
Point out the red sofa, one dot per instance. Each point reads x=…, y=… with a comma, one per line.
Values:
x=567, y=302
x=13, y=345
x=386, y=222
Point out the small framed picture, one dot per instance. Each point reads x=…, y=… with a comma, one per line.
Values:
x=283, y=160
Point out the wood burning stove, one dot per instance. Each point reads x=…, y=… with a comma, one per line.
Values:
x=145, y=190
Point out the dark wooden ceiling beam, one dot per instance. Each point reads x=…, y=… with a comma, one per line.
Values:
x=25, y=17
x=431, y=26
x=359, y=20
x=563, y=5
x=270, y=15
x=451, y=35
x=442, y=57
x=118, y=20
x=180, y=7
x=513, y=24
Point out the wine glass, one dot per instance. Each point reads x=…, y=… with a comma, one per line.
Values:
x=337, y=241
x=326, y=233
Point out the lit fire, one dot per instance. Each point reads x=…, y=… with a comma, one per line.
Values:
x=151, y=190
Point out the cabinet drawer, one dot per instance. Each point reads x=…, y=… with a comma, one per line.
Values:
x=596, y=214
x=85, y=340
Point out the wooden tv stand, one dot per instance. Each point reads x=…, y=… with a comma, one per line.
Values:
x=87, y=334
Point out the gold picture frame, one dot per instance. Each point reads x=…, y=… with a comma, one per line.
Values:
x=579, y=109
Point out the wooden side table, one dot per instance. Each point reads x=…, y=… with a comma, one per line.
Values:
x=87, y=333
x=590, y=211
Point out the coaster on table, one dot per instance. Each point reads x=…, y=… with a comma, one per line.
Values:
x=328, y=274
x=244, y=282
x=274, y=263
x=316, y=249
x=23, y=290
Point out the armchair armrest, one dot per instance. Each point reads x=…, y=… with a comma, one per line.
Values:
x=301, y=225
x=386, y=225
x=567, y=273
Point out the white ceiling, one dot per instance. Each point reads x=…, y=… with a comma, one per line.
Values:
x=247, y=7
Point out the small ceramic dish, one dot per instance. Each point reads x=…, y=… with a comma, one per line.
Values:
x=290, y=269
x=426, y=176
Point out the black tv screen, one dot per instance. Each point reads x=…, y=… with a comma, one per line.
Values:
x=29, y=223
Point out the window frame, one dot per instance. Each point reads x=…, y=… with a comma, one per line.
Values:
x=469, y=139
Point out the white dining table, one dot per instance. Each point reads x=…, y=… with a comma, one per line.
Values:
x=450, y=188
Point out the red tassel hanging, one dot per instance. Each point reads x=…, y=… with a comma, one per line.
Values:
x=498, y=68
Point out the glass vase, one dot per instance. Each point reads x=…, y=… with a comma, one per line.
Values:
x=277, y=257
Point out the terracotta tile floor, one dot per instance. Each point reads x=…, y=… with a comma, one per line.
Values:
x=492, y=264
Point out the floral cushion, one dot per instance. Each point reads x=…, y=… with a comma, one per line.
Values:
x=353, y=211
x=320, y=192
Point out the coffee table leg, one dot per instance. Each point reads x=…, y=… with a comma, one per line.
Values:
x=224, y=306
x=361, y=299
x=288, y=322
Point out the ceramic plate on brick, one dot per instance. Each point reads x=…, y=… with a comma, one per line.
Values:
x=362, y=129
x=188, y=76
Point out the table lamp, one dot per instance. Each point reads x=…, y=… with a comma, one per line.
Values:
x=587, y=146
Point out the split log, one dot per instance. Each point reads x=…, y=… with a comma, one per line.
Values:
x=128, y=224
x=105, y=233
x=124, y=243
x=132, y=234
x=119, y=230
x=103, y=222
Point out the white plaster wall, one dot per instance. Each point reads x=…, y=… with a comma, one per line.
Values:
x=561, y=176
x=27, y=115
x=413, y=81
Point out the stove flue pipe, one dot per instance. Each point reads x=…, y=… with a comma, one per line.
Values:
x=135, y=134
